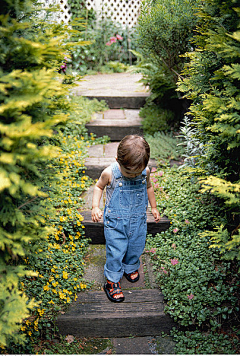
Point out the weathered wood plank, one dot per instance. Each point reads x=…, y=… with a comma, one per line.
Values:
x=95, y=231
x=131, y=296
x=142, y=313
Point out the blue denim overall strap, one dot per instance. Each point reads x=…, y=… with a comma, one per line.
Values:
x=125, y=224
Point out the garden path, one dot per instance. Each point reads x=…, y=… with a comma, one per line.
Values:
x=133, y=326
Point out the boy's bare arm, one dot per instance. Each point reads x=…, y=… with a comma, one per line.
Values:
x=151, y=198
x=104, y=180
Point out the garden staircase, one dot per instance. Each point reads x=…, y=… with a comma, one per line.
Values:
x=142, y=312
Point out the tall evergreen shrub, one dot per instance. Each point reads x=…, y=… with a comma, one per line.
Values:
x=33, y=101
x=212, y=82
x=164, y=29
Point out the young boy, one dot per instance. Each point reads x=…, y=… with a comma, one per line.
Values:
x=128, y=189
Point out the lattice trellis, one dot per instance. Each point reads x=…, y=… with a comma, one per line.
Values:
x=122, y=11
x=65, y=12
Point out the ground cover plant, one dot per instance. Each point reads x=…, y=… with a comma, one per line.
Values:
x=197, y=260
x=71, y=345
x=201, y=290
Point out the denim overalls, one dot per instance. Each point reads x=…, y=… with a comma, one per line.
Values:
x=125, y=224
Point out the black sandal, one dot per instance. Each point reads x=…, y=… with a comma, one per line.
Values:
x=113, y=289
x=129, y=276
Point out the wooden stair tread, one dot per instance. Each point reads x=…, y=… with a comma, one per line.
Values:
x=142, y=313
x=95, y=231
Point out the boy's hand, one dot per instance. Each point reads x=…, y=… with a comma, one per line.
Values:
x=96, y=214
x=156, y=214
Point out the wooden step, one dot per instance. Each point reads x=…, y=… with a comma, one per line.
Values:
x=116, y=124
x=93, y=315
x=95, y=231
x=118, y=102
x=119, y=90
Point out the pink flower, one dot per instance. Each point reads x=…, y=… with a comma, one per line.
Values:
x=120, y=38
x=175, y=230
x=153, y=250
x=113, y=39
x=187, y=222
x=174, y=261
x=174, y=246
x=160, y=173
x=164, y=271
x=156, y=185
x=108, y=44
x=153, y=170
x=191, y=296
x=161, y=188
x=154, y=180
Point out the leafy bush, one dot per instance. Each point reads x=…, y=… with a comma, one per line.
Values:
x=31, y=99
x=200, y=289
x=155, y=118
x=164, y=32
x=35, y=174
x=164, y=146
x=58, y=261
x=212, y=82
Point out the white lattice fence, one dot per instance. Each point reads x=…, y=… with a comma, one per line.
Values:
x=122, y=11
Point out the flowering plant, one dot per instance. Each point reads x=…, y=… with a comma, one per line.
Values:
x=192, y=277
x=114, y=39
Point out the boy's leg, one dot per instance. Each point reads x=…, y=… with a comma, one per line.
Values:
x=136, y=244
x=116, y=247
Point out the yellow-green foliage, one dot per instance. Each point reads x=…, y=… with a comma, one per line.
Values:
x=33, y=101
x=227, y=242
x=212, y=82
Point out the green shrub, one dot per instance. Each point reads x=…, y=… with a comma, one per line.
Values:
x=164, y=30
x=34, y=106
x=164, y=146
x=155, y=119
x=212, y=82
x=200, y=290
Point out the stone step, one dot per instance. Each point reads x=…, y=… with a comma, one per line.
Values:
x=93, y=315
x=95, y=231
x=101, y=156
x=115, y=123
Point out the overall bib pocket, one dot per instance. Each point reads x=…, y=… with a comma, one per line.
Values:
x=130, y=199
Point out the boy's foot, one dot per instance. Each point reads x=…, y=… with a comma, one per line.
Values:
x=114, y=291
x=132, y=277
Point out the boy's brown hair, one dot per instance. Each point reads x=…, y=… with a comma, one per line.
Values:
x=133, y=152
